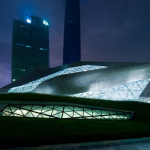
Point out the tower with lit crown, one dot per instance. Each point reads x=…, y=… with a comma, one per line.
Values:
x=72, y=41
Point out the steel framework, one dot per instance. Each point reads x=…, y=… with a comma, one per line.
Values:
x=65, y=112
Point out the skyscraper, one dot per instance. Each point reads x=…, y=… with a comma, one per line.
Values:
x=30, y=46
x=72, y=42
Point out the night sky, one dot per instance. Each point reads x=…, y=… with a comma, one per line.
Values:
x=111, y=30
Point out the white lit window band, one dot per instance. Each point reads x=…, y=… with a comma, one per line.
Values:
x=29, y=87
x=130, y=91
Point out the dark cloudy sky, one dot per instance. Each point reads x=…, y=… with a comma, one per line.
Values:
x=111, y=30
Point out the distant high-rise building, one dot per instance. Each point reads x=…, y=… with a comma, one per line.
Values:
x=30, y=46
x=72, y=41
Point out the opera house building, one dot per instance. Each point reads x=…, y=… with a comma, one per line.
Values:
x=96, y=80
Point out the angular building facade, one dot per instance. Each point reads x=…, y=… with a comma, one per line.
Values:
x=30, y=46
x=72, y=41
x=98, y=80
x=94, y=80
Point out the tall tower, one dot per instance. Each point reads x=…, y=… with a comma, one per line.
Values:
x=72, y=41
x=30, y=46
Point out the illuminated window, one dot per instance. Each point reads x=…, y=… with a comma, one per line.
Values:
x=45, y=22
x=129, y=91
x=28, y=21
x=65, y=111
x=43, y=49
x=28, y=87
x=28, y=46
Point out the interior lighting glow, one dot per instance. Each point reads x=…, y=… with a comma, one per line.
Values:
x=43, y=49
x=28, y=21
x=129, y=91
x=28, y=46
x=45, y=22
x=64, y=111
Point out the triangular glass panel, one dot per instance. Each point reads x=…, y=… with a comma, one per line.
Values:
x=122, y=93
x=7, y=109
x=58, y=115
x=48, y=112
x=118, y=118
x=123, y=88
x=7, y=113
x=13, y=108
x=24, y=112
x=129, y=86
x=45, y=110
x=39, y=116
x=109, y=90
x=105, y=96
x=27, y=107
x=56, y=112
x=86, y=114
x=136, y=93
x=44, y=116
x=112, y=112
x=77, y=114
x=113, y=116
x=29, y=114
x=115, y=95
x=60, y=108
x=19, y=112
x=4, y=114
x=70, y=108
x=78, y=109
x=121, y=116
x=88, y=111
x=136, y=87
x=48, y=107
x=96, y=112
x=142, y=84
x=36, y=107
x=35, y=114
x=65, y=115
x=105, y=112
x=38, y=110
x=56, y=106
x=130, y=95
x=69, y=113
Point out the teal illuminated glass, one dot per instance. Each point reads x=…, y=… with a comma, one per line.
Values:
x=65, y=112
x=129, y=91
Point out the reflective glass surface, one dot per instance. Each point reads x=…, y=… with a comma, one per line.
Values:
x=64, y=112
